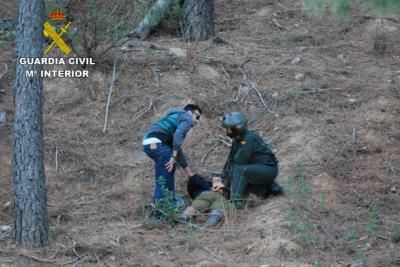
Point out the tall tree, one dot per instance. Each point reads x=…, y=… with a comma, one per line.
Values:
x=199, y=20
x=30, y=189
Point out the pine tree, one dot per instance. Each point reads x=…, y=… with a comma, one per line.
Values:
x=30, y=190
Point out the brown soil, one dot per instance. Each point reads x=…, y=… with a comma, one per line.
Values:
x=335, y=115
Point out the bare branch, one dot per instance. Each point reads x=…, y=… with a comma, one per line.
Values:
x=225, y=72
x=208, y=152
x=253, y=86
x=142, y=112
x=224, y=141
x=109, y=95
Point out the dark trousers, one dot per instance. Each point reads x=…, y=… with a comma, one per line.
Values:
x=252, y=178
x=164, y=180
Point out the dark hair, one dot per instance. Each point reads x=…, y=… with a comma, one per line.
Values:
x=192, y=107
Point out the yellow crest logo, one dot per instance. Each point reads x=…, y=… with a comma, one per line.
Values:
x=51, y=32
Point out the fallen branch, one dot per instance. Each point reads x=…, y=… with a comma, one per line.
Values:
x=74, y=261
x=382, y=237
x=36, y=258
x=208, y=152
x=98, y=260
x=142, y=112
x=222, y=139
x=244, y=63
x=277, y=24
x=56, y=158
x=253, y=86
x=224, y=71
x=5, y=232
x=316, y=91
x=109, y=95
x=378, y=17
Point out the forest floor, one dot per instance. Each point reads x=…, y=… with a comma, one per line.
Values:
x=324, y=93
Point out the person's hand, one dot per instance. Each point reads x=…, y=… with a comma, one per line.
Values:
x=170, y=165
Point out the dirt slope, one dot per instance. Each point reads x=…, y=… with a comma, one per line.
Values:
x=314, y=87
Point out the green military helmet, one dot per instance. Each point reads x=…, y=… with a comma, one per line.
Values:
x=235, y=121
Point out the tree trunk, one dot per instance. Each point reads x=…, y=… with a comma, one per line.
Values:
x=30, y=189
x=199, y=20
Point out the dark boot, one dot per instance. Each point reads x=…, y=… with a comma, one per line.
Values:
x=214, y=217
x=183, y=218
x=277, y=189
x=274, y=189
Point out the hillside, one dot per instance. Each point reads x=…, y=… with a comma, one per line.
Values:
x=325, y=93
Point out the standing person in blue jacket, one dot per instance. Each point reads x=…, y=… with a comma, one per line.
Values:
x=163, y=144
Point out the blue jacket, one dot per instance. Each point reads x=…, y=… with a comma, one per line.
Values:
x=172, y=130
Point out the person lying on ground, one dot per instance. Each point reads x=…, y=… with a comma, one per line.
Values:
x=209, y=200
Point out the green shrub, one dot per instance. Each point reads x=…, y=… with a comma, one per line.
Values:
x=166, y=206
x=299, y=194
x=396, y=231
x=352, y=234
x=322, y=201
x=299, y=191
x=373, y=218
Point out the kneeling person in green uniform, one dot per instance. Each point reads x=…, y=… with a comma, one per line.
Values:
x=251, y=166
x=207, y=201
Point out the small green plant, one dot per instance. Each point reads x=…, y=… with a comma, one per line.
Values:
x=396, y=232
x=10, y=36
x=150, y=224
x=192, y=236
x=363, y=256
x=352, y=234
x=143, y=207
x=300, y=225
x=373, y=218
x=166, y=206
x=304, y=231
x=7, y=30
x=322, y=200
x=299, y=193
x=317, y=264
x=293, y=38
x=229, y=207
x=51, y=237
